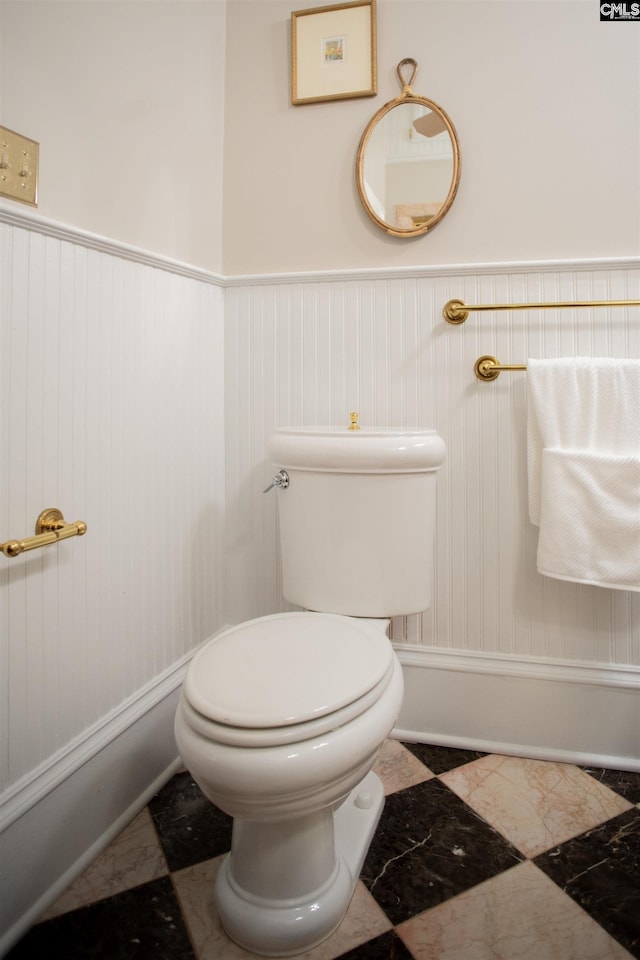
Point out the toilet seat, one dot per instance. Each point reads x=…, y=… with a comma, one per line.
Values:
x=326, y=670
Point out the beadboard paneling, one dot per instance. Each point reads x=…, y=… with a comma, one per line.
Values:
x=112, y=379
x=113, y=389
x=307, y=352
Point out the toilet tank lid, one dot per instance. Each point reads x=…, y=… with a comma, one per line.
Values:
x=384, y=450
x=286, y=669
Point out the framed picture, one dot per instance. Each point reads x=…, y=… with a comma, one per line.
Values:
x=333, y=52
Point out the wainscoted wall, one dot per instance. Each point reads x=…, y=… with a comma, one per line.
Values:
x=138, y=395
x=305, y=350
x=112, y=380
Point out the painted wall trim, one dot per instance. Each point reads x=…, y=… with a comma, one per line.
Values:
x=436, y=270
x=30, y=220
x=42, y=780
x=581, y=758
x=534, y=668
x=587, y=714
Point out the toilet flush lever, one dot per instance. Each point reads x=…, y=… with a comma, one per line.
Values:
x=281, y=480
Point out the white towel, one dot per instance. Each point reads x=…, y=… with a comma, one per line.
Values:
x=583, y=451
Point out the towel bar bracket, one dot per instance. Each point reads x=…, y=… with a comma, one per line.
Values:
x=455, y=311
x=485, y=368
x=488, y=368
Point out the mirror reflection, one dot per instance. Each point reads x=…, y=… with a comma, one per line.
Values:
x=408, y=164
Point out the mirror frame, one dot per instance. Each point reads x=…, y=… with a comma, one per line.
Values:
x=408, y=96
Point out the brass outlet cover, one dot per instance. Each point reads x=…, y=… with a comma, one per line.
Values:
x=18, y=167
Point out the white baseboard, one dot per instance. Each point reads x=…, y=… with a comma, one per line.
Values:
x=587, y=714
x=47, y=844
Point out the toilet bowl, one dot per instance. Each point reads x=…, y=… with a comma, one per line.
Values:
x=287, y=752
x=280, y=718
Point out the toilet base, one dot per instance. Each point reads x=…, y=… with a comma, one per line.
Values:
x=283, y=926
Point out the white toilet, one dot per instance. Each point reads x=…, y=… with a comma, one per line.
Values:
x=281, y=717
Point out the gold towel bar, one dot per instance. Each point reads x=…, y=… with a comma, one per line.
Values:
x=50, y=527
x=488, y=368
x=457, y=311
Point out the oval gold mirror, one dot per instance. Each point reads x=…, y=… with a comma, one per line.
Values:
x=408, y=162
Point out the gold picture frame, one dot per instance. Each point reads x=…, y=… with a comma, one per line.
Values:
x=334, y=52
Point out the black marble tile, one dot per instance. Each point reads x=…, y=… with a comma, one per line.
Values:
x=623, y=782
x=600, y=870
x=141, y=924
x=430, y=846
x=441, y=759
x=389, y=946
x=191, y=828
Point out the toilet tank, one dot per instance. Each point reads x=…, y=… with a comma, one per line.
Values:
x=356, y=521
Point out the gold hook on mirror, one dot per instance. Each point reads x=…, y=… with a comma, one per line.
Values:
x=407, y=86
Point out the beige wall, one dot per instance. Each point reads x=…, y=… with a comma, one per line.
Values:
x=126, y=99
x=545, y=99
x=131, y=102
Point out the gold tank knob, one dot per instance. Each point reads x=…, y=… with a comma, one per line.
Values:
x=354, y=422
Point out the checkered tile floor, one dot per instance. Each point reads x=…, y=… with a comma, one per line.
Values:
x=476, y=857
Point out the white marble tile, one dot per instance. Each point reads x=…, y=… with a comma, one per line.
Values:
x=398, y=768
x=195, y=885
x=519, y=915
x=134, y=857
x=535, y=804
